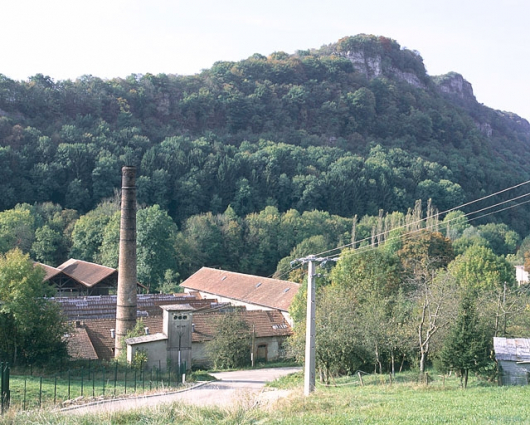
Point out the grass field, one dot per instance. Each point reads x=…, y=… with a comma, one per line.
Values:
x=404, y=401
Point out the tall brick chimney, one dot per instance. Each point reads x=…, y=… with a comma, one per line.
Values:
x=127, y=278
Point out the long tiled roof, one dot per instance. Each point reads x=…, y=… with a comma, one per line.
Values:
x=89, y=274
x=262, y=291
x=264, y=323
x=104, y=306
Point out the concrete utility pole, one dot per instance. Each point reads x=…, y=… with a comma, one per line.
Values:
x=309, y=367
x=127, y=275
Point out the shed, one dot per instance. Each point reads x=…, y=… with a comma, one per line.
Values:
x=513, y=360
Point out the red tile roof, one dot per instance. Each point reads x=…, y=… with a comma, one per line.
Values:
x=99, y=333
x=266, y=324
x=262, y=291
x=89, y=274
x=49, y=270
x=79, y=344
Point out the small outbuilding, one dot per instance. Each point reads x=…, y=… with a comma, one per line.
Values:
x=513, y=360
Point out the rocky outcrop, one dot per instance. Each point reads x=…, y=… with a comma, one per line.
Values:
x=454, y=84
x=371, y=66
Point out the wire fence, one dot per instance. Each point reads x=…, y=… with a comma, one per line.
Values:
x=93, y=382
x=362, y=378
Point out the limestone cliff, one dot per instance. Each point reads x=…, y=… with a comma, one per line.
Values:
x=375, y=56
x=372, y=67
x=454, y=84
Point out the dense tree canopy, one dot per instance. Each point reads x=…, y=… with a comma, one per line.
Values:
x=31, y=327
x=311, y=130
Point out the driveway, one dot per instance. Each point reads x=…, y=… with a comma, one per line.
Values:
x=246, y=386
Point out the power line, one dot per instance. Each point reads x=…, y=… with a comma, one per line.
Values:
x=318, y=257
x=445, y=212
x=365, y=248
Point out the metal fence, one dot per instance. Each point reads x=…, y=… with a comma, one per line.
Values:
x=93, y=382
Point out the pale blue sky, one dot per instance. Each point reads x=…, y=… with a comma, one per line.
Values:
x=487, y=41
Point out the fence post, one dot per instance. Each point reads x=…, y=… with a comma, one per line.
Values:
x=25, y=388
x=1, y=388
x=115, y=377
x=4, y=387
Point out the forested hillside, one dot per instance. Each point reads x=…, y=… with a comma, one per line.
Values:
x=352, y=128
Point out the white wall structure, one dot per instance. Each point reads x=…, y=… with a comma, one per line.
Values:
x=172, y=346
x=521, y=275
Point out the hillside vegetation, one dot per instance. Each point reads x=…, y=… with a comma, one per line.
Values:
x=252, y=162
x=350, y=128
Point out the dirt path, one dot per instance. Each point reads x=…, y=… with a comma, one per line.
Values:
x=244, y=386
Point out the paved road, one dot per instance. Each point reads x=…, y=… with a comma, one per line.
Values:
x=245, y=387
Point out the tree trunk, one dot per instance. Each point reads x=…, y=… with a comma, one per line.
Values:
x=402, y=363
x=422, y=361
x=466, y=373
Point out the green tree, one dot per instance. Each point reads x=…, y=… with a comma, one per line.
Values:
x=232, y=342
x=455, y=223
x=17, y=229
x=479, y=269
x=89, y=231
x=468, y=345
x=31, y=326
x=339, y=345
x=369, y=272
x=155, y=237
x=49, y=246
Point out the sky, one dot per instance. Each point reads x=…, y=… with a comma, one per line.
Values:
x=487, y=41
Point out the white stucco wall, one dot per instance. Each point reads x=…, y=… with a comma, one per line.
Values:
x=156, y=353
x=521, y=275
